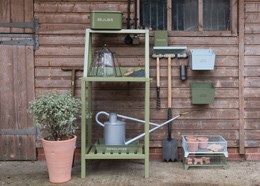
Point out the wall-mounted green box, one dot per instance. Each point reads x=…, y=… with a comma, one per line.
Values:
x=107, y=20
x=160, y=38
x=202, y=93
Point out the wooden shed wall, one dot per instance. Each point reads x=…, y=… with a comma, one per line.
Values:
x=252, y=73
x=62, y=29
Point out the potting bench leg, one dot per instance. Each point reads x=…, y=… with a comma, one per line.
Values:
x=83, y=129
x=147, y=119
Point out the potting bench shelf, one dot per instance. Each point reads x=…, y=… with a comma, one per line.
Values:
x=89, y=150
x=116, y=79
x=92, y=153
x=202, y=160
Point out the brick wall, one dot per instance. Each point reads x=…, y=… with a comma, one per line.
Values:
x=156, y=154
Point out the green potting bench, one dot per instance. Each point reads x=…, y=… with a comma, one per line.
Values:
x=88, y=150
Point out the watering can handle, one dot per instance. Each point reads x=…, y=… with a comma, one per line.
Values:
x=98, y=122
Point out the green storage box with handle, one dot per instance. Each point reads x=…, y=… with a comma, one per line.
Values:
x=202, y=92
x=106, y=20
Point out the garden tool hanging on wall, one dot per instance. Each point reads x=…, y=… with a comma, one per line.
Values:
x=183, y=67
x=73, y=70
x=160, y=39
x=105, y=64
x=169, y=144
x=157, y=56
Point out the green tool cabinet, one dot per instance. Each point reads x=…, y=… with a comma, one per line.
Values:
x=88, y=151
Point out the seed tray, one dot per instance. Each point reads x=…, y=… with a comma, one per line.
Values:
x=100, y=147
x=216, y=144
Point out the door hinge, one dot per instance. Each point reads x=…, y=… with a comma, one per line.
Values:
x=31, y=131
x=33, y=38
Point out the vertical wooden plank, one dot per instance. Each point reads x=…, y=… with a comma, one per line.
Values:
x=6, y=87
x=233, y=16
x=169, y=15
x=23, y=65
x=29, y=57
x=28, y=13
x=7, y=104
x=200, y=15
x=19, y=74
x=17, y=14
x=17, y=82
x=5, y=14
x=10, y=147
x=241, y=76
x=30, y=144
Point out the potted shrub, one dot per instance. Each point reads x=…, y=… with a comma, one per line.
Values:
x=55, y=114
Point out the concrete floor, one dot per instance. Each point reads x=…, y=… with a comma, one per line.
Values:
x=131, y=172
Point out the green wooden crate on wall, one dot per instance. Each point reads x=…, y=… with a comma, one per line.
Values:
x=108, y=20
x=160, y=38
x=202, y=92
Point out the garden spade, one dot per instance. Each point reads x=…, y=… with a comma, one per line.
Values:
x=170, y=150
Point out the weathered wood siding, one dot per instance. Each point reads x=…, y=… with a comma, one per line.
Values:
x=17, y=85
x=16, y=11
x=62, y=29
x=252, y=73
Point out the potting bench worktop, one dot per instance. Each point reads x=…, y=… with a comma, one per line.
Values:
x=89, y=150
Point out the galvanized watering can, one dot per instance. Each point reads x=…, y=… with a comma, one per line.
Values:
x=114, y=129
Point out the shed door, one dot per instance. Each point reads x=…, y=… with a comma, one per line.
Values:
x=17, y=133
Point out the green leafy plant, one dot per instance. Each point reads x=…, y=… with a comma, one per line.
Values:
x=56, y=114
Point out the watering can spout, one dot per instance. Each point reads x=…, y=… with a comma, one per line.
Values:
x=115, y=129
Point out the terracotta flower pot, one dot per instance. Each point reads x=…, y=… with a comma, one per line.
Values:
x=203, y=142
x=192, y=143
x=59, y=157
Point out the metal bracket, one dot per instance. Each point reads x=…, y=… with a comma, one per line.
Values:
x=34, y=39
x=19, y=132
x=31, y=42
x=34, y=25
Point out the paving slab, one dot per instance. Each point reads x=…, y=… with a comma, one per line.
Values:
x=131, y=172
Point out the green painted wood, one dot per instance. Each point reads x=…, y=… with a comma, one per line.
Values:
x=89, y=110
x=91, y=154
x=123, y=31
x=83, y=129
x=114, y=156
x=147, y=107
x=115, y=79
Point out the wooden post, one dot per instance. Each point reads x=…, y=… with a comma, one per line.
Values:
x=241, y=76
x=169, y=15
x=233, y=16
